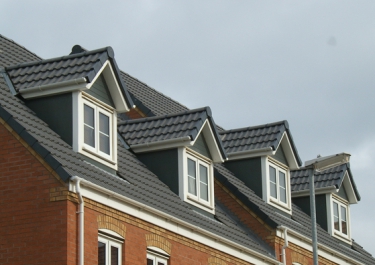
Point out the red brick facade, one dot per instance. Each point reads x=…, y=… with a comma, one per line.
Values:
x=39, y=221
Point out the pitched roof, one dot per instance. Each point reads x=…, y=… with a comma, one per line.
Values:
x=76, y=68
x=300, y=181
x=256, y=138
x=184, y=127
x=133, y=179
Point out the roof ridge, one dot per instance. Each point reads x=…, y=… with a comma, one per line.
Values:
x=19, y=45
x=62, y=58
x=154, y=89
x=207, y=109
x=285, y=122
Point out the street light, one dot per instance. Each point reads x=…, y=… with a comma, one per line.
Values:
x=317, y=165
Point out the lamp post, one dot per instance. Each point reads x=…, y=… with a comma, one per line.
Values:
x=317, y=165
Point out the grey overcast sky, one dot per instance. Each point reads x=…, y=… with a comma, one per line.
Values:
x=253, y=62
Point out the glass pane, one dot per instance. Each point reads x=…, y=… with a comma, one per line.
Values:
x=114, y=255
x=336, y=222
x=273, y=187
x=192, y=185
x=161, y=263
x=104, y=143
x=150, y=262
x=89, y=126
x=282, y=184
x=203, y=176
x=89, y=116
x=343, y=221
x=103, y=123
x=101, y=253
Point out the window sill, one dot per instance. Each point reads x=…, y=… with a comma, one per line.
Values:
x=193, y=199
x=108, y=160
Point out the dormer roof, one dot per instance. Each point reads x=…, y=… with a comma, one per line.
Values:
x=327, y=181
x=77, y=71
x=176, y=130
x=260, y=140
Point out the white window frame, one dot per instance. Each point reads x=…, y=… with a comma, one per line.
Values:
x=157, y=258
x=109, y=242
x=80, y=99
x=184, y=155
x=341, y=203
x=276, y=202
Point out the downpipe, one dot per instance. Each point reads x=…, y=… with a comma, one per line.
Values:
x=286, y=243
x=81, y=218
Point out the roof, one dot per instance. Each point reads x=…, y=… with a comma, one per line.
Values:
x=182, y=129
x=135, y=181
x=75, y=68
x=300, y=181
x=257, y=138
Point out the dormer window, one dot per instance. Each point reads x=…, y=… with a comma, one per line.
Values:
x=97, y=123
x=199, y=180
x=340, y=218
x=278, y=182
x=278, y=187
x=97, y=133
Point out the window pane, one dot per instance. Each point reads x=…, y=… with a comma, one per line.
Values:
x=104, y=133
x=150, y=262
x=273, y=187
x=282, y=185
x=343, y=221
x=336, y=216
x=192, y=177
x=101, y=253
x=114, y=255
x=203, y=176
x=89, y=126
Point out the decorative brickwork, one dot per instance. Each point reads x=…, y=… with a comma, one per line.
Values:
x=215, y=261
x=298, y=258
x=107, y=222
x=153, y=240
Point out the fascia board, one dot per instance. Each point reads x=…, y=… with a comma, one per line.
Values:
x=113, y=86
x=213, y=146
x=78, y=84
x=288, y=150
x=267, y=151
x=171, y=223
x=324, y=251
x=349, y=189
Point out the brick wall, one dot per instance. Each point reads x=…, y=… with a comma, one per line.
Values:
x=32, y=230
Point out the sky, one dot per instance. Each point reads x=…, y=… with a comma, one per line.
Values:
x=253, y=62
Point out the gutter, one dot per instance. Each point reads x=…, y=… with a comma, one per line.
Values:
x=323, y=247
x=324, y=190
x=242, y=153
x=76, y=81
x=174, y=219
x=163, y=142
x=81, y=225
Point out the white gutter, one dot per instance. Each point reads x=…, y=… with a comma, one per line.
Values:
x=147, y=146
x=248, y=152
x=317, y=191
x=64, y=84
x=331, y=252
x=286, y=243
x=112, y=194
x=81, y=225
